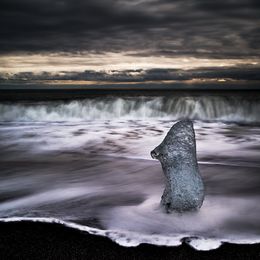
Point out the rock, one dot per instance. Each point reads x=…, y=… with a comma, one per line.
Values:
x=184, y=189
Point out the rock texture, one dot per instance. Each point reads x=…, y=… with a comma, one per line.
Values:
x=184, y=189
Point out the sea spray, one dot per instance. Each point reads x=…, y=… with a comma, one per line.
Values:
x=205, y=108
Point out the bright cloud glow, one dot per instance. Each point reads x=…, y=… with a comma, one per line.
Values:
x=107, y=62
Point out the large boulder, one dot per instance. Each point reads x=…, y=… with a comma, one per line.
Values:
x=184, y=189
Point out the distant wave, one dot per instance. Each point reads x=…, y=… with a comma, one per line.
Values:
x=206, y=108
x=132, y=239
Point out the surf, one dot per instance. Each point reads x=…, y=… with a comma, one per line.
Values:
x=204, y=108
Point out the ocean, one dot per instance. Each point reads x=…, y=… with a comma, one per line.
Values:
x=86, y=163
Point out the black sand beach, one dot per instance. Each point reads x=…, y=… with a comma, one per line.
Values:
x=88, y=161
x=30, y=240
x=89, y=89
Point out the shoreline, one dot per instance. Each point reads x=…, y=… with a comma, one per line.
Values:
x=36, y=240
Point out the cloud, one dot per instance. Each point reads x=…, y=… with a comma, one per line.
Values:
x=219, y=29
x=234, y=73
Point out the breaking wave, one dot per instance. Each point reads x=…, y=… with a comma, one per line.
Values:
x=205, y=108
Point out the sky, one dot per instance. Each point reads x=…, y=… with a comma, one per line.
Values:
x=65, y=36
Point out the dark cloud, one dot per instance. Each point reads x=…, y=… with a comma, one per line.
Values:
x=247, y=73
x=224, y=28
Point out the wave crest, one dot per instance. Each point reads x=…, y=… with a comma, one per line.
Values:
x=206, y=108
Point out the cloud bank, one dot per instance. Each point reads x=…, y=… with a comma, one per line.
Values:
x=229, y=73
x=205, y=28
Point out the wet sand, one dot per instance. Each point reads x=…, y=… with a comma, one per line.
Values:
x=29, y=240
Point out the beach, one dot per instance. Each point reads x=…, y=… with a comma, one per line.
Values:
x=129, y=129
x=77, y=178
x=30, y=240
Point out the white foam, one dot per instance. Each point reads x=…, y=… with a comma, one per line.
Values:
x=196, y=108
x=204, y=244
x=49, y=196
x=133, y=239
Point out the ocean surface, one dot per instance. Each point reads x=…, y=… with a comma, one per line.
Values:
x=86, y=164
